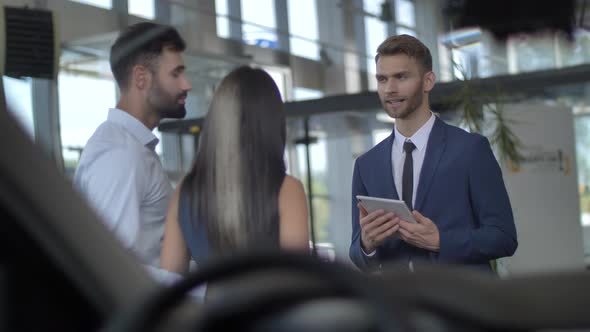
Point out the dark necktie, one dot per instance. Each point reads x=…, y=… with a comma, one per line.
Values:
x=408, y=175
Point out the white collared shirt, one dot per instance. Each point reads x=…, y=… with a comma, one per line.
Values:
x=122, y=177
x=398, y=155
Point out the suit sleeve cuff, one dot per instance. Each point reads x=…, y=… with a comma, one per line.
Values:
x=371, y=254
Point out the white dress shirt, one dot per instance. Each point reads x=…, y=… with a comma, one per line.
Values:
x=398, y=155
x=121, y=176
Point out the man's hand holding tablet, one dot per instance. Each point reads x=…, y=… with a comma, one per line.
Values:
x=376, y=223
x=381, y=218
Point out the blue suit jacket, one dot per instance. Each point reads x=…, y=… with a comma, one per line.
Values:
x=460, y=189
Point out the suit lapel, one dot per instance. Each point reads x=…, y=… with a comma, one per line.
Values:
x=384, y=171
x=434, y=151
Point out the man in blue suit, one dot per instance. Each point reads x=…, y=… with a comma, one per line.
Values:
x=448, y=177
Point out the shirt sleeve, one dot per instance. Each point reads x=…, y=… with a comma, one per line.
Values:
x=114, y=183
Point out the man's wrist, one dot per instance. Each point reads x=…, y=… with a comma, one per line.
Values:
x=437, y=244
x=367, y=250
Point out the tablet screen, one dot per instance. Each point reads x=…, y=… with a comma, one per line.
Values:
x=388, y=205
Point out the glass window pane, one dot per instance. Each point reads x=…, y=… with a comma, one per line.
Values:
x=20, y=103
x=280, y=80
x=404, y=13
x=372, y=6
x=303, y=23
x=339, y=142
x=222, y=21
x=534, y=53
x=405, y=31
x=520, y=53
x=259, y=27
x=467, y=62
x=142, y=8
x=321, y=218
x=578, y=52
x=107, y=4
x=317, y=154
x=380, y=134
x=304, y=93
x=84, y=102
x=305, y=48
x=320, y=199
x=582, y=132
x=375, y=34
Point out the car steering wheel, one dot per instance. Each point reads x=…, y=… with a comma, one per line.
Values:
x=333, y=281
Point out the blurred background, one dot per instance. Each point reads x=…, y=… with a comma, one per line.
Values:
x=321, y=55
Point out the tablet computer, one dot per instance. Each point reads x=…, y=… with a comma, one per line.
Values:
x=388, y=205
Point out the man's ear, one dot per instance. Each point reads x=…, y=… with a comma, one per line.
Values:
x=429, y=81
x=141, y=77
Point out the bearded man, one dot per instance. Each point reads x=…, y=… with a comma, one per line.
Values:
x=119, y=171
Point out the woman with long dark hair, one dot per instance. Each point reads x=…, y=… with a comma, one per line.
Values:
x=237, y=195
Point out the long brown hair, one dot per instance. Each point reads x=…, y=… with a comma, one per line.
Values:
x=239, y=168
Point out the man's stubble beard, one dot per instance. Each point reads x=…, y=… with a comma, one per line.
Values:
x=414, y=102
x=167, y=108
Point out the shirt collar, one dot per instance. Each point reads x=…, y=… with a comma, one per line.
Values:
x=133, y=126
x=420, y=137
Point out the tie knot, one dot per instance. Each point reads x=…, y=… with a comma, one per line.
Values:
x=409, y=146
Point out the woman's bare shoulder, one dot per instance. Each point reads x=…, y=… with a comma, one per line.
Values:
x=291, y=186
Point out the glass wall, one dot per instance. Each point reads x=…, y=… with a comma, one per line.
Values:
x=377, y=28
x=19, y=101
x=336, y=140
x=300, y=93
x=405, y=17
x=303, y=28
x=581, y=108
x=582, y=126
x=478, y=54
x=282, y=80
x=142, y=8
x=298, y=167
x=531, y=53
x=375, y=34
x=577, y=53
x=223, y=21
x=297, y=164
x=107, y=4
x=259, y=23
x=84, y=102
